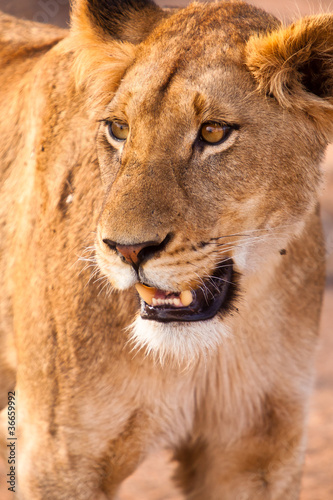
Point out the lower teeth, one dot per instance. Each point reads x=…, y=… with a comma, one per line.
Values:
x=162, y=302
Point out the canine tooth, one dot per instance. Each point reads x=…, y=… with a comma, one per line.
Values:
x=146, y=293
x=177, y=302
x=186, y=298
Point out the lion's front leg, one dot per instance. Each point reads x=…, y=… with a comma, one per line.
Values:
x=259, y=466
x=72, y=460
x=216, y=475
x=49, y=469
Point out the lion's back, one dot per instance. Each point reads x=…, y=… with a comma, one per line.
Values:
x=18, y=33
x=22, y=45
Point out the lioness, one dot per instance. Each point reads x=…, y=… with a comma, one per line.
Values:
x=162, y=254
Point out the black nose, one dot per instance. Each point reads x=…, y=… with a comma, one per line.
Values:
x=139, y=252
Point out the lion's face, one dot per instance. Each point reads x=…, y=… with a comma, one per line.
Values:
x=205, y=179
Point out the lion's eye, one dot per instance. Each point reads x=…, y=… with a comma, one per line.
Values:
x=118, y=131
x=214, y=133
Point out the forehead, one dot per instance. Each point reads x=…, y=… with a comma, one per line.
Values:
x=206, y=28
x=198, y=47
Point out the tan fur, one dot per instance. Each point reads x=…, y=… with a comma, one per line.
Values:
x=97, y=386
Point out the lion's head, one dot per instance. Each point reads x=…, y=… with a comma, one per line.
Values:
x=213, y=122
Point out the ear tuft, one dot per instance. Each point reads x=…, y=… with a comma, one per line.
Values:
x=104, y=35
x=98, y=69
x=295, y=65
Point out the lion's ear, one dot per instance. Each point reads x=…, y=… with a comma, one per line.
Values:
x=295, y=65
x=123, y=20
x=104, y=35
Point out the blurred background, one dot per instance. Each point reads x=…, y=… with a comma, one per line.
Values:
x=57, y=11
x=152, y=480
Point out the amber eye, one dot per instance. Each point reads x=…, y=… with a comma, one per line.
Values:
x=118, y=130
x=214, y=133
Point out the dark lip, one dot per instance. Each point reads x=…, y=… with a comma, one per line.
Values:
x=209, y=300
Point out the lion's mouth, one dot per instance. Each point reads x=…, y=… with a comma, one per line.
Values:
x=191, y=305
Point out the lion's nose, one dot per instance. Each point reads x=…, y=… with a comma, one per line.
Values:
x=136, y=254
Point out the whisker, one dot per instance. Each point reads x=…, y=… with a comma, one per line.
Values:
x=221, y=279
x=105, y=285
x=245, y=233
x=92, y=276
x=101, y=278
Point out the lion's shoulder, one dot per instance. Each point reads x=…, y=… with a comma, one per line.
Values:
x=20, y=38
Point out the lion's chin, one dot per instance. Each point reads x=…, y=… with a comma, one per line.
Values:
x=181, y=343
x=203, y=303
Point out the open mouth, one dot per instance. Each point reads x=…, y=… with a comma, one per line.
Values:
x=190, y=305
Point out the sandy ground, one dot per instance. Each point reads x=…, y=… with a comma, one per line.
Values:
x=152, y=480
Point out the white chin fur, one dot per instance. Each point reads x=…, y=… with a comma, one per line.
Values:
x=183, y=343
